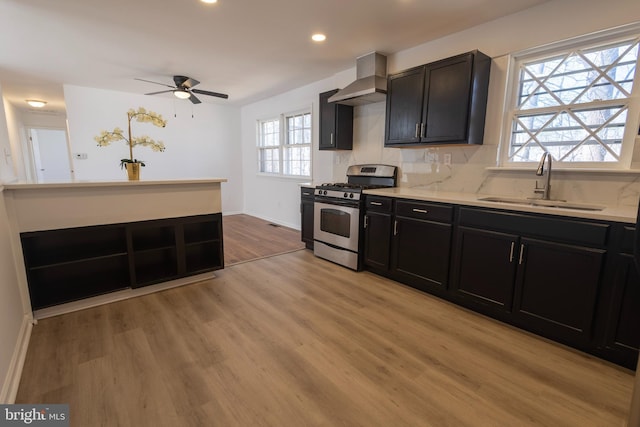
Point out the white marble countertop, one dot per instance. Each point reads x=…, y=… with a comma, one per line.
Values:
x=114, y=183
x=625, y=214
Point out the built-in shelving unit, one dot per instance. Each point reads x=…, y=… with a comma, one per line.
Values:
x=65, y=265
x=70, y=264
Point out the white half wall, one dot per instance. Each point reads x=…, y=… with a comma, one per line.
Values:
x=206, y=145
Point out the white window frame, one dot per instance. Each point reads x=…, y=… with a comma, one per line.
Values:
x=588, y=41
x=283, y=144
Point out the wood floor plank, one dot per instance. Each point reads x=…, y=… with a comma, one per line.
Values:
x=293, y=340
x=247, y=238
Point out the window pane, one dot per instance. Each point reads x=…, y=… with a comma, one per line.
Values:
x=572, y=93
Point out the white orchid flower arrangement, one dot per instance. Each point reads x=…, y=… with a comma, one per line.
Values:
x=141, y=115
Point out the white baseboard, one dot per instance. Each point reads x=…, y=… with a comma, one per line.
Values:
x=275, y=221
x=12, y=380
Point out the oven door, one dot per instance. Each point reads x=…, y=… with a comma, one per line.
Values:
x=336, y=224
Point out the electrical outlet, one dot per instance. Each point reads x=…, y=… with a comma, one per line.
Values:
x=446, y=159
x=80, y=156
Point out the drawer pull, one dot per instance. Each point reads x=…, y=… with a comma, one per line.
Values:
x=305, y=193
x=375, y=203
x=513, y=244
x=424, y=211
x=521, y=253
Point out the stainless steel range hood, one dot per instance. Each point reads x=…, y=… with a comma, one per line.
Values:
x=371, y=83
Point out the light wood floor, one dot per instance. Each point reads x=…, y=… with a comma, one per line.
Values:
x=293, y=340
x=247, y=238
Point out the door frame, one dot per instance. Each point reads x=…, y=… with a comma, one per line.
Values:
x=30, y=166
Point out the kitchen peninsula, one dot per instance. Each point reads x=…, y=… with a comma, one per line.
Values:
x=78, y=241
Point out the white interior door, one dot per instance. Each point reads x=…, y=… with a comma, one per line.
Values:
x=50, y=154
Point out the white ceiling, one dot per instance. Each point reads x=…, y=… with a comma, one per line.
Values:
x=249, y=49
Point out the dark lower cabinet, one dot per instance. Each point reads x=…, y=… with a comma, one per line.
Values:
x=556, y=290
x=306, y=216
x=377, y=239
x=409, y=241
x=420, y=253
x=71, y=264
x=486, y=268
x=568, y=279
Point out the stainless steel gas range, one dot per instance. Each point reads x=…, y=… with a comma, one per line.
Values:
x=339, y=213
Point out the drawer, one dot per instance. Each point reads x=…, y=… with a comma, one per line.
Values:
x=381, y=204
x=537, y=226
x=427, y=211
x=306, y=193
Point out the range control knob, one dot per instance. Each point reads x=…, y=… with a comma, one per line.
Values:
x=351, y=196
x=346, y=195
x=325, y=192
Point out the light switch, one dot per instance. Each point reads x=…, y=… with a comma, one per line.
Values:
x=80, y=156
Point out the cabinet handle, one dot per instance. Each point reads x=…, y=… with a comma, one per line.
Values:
x=417, y=128
x=305, y=193
x=513, y=244
x=331, y=143
x=421, y=130
x=424, y=211
x=521, y=253
x=375, y=203
x=366, y=221
x=395, y=227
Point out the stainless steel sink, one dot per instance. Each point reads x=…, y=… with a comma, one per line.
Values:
x=562, y=204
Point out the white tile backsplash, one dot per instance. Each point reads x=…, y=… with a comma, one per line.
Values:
x=468, y=173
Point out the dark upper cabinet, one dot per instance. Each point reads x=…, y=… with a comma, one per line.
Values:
x=336, y=124
x=439, y=103
x=306, y=213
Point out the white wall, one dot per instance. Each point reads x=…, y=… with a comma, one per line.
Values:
x=205, y=145
x=278, y=200
x=12, y=311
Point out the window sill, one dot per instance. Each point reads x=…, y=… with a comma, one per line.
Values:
x=496, y=169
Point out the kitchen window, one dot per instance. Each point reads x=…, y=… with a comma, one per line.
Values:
x=284, y=145
x=579, y=101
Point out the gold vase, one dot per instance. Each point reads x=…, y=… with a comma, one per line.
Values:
x=133, y=171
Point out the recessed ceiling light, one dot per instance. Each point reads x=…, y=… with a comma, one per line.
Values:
x=36, y=103
x=209, y=1
x=318, y=37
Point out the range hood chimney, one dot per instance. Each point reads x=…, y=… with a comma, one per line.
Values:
x=371, y=83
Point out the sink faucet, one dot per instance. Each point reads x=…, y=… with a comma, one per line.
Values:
x=546, y=190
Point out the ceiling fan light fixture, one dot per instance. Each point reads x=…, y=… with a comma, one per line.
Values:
x=182, y=94
x=36, y=103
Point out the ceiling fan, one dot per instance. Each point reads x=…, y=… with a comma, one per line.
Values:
x=183, y=89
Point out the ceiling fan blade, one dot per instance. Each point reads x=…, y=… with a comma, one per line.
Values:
x=162, y=91
x=206, y=92
x=149, y=81
x=184, y=81
x=194, y=99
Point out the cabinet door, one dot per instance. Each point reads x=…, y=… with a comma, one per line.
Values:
x=623, y=320
x=405, y=92
x=556, y=290
x=420, y=254
x=446, y=103
x=306, y=210
x=486, y=267
x=377, y=240
x=336, y=124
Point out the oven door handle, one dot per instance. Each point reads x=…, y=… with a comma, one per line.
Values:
x=338, y=202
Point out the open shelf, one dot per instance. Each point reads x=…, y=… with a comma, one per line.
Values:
x=71, y=281
x=44, y=248
x=202, y=231
x=153, y=237
x=201, y=257
x=153, y=266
